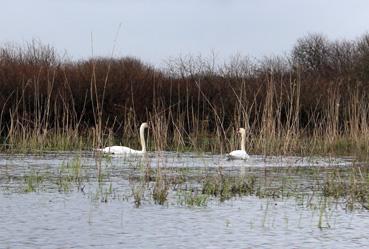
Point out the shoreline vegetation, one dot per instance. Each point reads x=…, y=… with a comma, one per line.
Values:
x=312, y=101
x=311, y=187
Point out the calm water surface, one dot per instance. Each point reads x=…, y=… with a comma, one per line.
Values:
x=50, y=218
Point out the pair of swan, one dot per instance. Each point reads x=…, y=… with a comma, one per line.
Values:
x=236, y=154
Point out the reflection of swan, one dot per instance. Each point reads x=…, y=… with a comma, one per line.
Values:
x=126, y=150
x=240, y=154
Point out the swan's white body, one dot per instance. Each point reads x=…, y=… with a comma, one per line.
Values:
x=125, y=150
x=240, y=154
x=120, y=150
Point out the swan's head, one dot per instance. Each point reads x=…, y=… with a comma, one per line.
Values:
x=242, y=131
x=144, y=125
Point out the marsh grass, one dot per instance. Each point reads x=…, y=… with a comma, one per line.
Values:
x=161, y=188
x=287, y=105
x=226, y=187
x=352, y=188
x=104, y=192
x=70, y=174
x=311, y=187
x=138, y=194
x=307, y=185
x=33, y=182
x=192, y=198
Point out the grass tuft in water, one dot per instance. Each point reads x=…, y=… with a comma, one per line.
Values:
x=138, y=194
x=192, y=198
x=32, y=182
x=161, y=188
x=226, y=187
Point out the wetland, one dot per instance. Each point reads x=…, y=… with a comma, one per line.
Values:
x=191, y=200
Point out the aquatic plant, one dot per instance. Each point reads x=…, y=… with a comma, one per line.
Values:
x=346, y=186
x=33, y=181
x=192, y=198
x=138, y=193
x=305, y=103
x=226, y=187
x=71, y=173
x=161, y=187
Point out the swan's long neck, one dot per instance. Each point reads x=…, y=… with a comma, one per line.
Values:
x=142, y=138
x=243, y=141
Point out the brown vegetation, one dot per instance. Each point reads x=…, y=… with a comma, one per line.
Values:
x=314, y=100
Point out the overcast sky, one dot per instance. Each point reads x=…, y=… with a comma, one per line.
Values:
x=155, y=30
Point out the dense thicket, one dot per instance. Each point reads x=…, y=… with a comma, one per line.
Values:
x=318, y=79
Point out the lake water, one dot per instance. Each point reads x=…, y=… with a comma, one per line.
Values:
x=102, y=214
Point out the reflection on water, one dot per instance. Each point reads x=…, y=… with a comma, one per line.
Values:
x=78, y=217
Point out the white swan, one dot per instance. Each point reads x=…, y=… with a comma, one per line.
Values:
x=126, y=150
x=240, y=154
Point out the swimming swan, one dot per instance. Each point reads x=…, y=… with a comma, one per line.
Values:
x=240, y=154
x=126, y=150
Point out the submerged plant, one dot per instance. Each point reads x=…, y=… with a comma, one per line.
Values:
x=70, y=174
x=226, y=187
x=192, y=198
x=32, y=182
x=160, y=190
x=138, y=193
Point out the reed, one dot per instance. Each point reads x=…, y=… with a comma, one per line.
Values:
x=288, y=105
x=161, y=187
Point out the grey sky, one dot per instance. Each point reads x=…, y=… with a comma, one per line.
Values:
x=154, y=30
